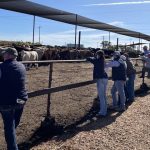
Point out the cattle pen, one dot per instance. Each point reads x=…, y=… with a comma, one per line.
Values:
x=69, y=86
x=49, y=90
x=62, y=92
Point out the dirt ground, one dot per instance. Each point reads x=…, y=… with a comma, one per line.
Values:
x=118, y=131
x=74, y=109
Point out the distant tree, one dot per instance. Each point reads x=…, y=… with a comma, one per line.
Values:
x=105, y=44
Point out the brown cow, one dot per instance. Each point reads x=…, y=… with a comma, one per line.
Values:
x=50, y=54
x=82, y=54
x=40, y=51
x=74, y=54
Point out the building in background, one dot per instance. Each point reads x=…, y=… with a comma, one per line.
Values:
x=73, y=45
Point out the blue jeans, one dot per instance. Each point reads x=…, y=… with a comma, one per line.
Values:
x=11, y=119
x=118, y=86
x=130, y=87
x=101, y=88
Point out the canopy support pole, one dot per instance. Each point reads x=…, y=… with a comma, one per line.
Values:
x=79, y=40
x=39, y=34
x=109, y=39
x=117, y=43
x=76, y=32
x=139, y=42
x=33, y=29
x=103, y=42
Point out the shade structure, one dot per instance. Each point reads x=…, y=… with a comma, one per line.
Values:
x=31, y=8
x=134, y=44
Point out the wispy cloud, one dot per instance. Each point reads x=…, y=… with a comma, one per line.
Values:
x=120, y=3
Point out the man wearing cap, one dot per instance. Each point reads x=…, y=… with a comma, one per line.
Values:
x=119, y=78
x=13, y=95
x=146, y=51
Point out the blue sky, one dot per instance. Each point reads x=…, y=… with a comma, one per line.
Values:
x=130, y=14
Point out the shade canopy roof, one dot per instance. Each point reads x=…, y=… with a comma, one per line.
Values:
x=134, y=44
x=28, y=7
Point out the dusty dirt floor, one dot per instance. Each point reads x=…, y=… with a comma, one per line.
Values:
x=75, y=110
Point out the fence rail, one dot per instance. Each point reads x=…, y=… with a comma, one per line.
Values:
x=63, y=61
x=65, y=87
x=60, y=88
x=50, y=89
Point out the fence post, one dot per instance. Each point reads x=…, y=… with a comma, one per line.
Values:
x=49, y=86
x=136, y=64
x=49, y=121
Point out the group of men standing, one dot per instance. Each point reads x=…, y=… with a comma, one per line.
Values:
x=123, y=75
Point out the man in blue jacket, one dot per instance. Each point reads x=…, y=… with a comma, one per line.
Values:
x=13, y=95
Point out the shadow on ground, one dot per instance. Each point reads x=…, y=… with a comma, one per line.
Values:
x=142, y=91
x=89, y=122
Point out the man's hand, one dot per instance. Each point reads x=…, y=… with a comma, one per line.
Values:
x=20, y=101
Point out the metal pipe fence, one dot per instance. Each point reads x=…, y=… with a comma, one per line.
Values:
x=49, y=74
x=64, y=90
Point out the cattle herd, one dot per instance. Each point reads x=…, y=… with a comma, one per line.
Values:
x=34, y=53
x=42, y=52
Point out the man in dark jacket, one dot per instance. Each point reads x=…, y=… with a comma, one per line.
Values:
x=13, y=95
x=119, y=78
x=101, y=77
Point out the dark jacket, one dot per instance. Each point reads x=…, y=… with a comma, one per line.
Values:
x=98, y=71
x=130, y=68
x=12, y=82
x=119, y=73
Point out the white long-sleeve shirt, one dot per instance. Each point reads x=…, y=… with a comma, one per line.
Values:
x=147, y=61
x=115, y=63
x=112, y=64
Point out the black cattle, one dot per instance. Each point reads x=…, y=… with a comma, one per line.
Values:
x=64, y=54
x=108, y=53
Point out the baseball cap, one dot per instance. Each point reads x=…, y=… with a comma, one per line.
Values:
x=116, y=53
x=145, y=47
x=123, y=57
x=11, y=51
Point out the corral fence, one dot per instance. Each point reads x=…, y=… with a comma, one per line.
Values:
x=48, y=72
x=49, y=90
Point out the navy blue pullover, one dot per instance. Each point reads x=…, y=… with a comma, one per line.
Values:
x=98, y=71
x=119, y=73
x=12, y=82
